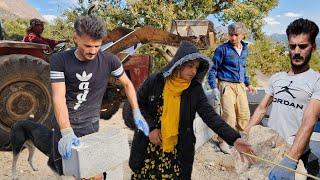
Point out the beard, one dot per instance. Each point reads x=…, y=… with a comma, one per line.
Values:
x=300, y=58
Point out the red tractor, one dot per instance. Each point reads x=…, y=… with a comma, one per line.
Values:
x=25, y=84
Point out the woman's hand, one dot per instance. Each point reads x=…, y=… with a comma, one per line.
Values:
x=155, y=137
x=243, y=147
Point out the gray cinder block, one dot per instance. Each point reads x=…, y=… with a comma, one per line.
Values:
x=104, y=151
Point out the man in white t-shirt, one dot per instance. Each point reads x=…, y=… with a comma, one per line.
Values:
x=295, y=98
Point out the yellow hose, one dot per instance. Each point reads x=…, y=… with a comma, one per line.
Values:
x=279, y=165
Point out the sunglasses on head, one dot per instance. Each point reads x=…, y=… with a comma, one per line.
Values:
x=301, y=46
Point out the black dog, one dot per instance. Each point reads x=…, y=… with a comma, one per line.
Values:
x=30, y=134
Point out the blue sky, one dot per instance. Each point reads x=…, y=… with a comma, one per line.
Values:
x=289, y=10
x=49, y=9
x=276, y=22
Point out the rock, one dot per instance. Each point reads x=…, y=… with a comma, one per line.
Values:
x=268, y=145
x=223, y=168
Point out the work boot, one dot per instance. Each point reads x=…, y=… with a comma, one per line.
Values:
x=224, y=147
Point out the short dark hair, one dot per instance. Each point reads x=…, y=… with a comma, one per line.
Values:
x=303, y=26
x=237, y=27
x=90, y=25
x=35, y=21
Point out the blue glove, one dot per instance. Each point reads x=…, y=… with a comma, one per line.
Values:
x=278, y=173
x=68, y=139
x=140, y=121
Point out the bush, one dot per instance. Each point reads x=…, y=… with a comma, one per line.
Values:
x=15, y=29
x=268, y=57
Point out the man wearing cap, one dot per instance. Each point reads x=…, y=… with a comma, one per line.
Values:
x=229, y=68
x=34, y=32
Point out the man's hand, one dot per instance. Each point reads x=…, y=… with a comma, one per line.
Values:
x=242, y=146
x=155, y=137
x=68, y=139
x=251, y=89
x=216, y=94
x=280, y=173
x=140, y=122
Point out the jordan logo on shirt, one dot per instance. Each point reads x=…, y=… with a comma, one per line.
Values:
x=287, y=90
x=84, y=85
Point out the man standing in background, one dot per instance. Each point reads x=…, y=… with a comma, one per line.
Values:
x=229, y=68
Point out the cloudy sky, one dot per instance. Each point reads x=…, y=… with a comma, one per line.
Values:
x=276, y=22
x=49, y=9
x=289, y=10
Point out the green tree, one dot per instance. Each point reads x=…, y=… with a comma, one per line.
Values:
x=160, y=13
x=250, y=12
x=15, y=29
x=268, y=57
x=314, y=62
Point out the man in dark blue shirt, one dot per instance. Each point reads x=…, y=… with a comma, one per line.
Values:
x=229, y=68
x=78, y=80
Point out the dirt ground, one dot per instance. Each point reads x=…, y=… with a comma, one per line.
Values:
x=209, y=163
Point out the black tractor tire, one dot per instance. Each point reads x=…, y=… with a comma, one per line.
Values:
x=110, y=103
x=24, y=90
x=128, y=116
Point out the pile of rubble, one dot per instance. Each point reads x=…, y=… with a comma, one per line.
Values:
x=267, y=145
x=211, y=163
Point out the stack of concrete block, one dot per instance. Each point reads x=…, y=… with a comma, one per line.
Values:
x=104, y=151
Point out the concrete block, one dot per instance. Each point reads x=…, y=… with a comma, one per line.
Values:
x=202, y=132
x=116, y=173
x=104, y=151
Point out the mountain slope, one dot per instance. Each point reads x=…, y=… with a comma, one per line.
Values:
x=12, y=9
x=283, y=38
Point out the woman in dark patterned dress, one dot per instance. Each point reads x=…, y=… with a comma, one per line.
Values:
x=169, y=101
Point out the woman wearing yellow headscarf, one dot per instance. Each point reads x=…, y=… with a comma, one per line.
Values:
x=169, y=101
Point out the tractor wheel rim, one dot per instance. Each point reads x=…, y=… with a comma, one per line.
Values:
x=23, y=98
x=21, y=104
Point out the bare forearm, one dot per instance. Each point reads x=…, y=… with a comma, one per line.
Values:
x=131, y=95
x=301, y=140
x=259, y=113
x=256, y=118
x=310, y=117
x=61, y=112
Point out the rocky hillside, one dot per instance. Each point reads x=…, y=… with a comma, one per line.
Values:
x=12, y=9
